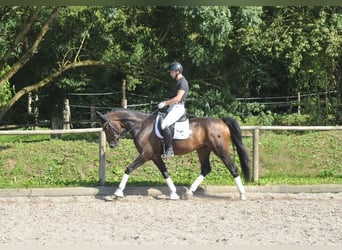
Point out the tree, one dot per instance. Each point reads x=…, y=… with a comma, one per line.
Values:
x=30, y=52
x=227, y=52
x=284, y=50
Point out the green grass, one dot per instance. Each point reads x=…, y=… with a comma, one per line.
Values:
x=303, y=158
x=73, y=160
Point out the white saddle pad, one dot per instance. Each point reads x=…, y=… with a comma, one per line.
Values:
x=181, y=131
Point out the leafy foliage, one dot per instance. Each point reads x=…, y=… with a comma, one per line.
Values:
x=5, y=90
x=226, y=52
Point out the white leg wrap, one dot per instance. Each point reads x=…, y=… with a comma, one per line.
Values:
x=123, y=182
x=172, y=188
x=240, y=187
x=196, y=183
x=122, y=185
x=170, y=184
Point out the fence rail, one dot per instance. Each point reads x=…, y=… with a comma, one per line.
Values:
x=102, y=141
x=256, y=134
x=50, y=132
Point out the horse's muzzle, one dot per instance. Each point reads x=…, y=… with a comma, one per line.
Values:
x=113, y=144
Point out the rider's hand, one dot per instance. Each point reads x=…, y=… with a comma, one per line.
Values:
x=161, y=105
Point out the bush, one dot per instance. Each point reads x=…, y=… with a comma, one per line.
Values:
x=291, y=120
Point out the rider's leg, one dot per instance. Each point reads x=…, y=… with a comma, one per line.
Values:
x=168, y=142
x=174, y=113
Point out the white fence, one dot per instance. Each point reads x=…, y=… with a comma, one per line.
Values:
x=102, y=141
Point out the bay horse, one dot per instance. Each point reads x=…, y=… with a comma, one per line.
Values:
x=207, y=135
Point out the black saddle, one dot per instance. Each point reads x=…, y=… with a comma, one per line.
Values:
x=172, y=127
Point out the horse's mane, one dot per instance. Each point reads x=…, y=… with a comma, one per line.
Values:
x=129, y=113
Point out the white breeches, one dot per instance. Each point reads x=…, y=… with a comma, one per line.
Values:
x=174, y=113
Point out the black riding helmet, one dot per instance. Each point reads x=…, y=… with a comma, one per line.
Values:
x=176, y=66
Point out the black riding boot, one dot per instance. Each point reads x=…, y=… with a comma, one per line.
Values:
x=168, y=143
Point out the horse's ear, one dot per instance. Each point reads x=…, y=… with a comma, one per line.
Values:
x=103, y=118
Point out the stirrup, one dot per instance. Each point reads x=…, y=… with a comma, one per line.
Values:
x=168, y=153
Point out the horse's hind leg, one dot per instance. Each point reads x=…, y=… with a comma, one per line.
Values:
x=227, y=160
x=203, y=156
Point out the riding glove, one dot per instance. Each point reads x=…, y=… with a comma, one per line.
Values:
x=161, y=105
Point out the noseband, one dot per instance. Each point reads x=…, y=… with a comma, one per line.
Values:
x=115, y=132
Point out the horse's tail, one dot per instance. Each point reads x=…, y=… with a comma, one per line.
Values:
x=236, y=136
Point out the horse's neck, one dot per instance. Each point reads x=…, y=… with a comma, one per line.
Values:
x=135, y=117
x=132, y=120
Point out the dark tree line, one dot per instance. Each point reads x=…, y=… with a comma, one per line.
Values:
x=227, y=52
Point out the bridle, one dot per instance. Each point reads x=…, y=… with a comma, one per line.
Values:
x=117, y=133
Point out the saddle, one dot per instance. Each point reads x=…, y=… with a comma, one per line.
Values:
x=180, y=130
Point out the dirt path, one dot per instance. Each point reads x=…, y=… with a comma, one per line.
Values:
x=264, y=219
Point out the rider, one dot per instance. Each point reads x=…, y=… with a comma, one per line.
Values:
x=176, y=105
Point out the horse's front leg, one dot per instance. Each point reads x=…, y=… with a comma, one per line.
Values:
x=140, y=160
x=162, y=168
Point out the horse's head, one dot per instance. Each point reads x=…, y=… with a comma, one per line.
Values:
x=112, y=130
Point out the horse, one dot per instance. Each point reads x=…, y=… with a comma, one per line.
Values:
x=207, y=135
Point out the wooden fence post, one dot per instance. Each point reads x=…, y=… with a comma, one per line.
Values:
x=124, y=100
x=255, y=154
x=36, y=111
x=102, y=158
x=66, y=115
x=93, y=116
x=29, y=103
x=298, y=99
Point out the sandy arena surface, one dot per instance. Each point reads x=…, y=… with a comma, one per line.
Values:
x=264, y=219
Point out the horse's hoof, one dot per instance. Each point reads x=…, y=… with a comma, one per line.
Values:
x=188, y=195
x=109, y=198
x=174, y=196
x=243, y=197
x=119, y=193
